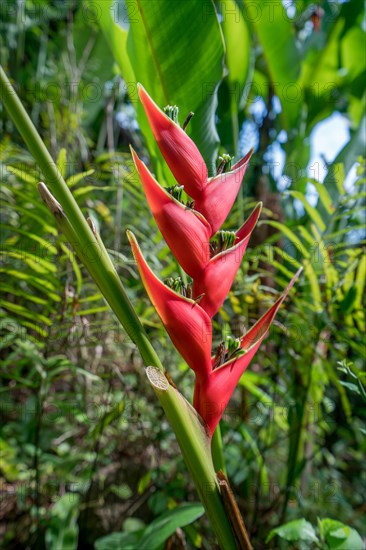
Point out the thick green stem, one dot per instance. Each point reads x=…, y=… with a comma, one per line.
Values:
x=92, y=253
x=195, y=445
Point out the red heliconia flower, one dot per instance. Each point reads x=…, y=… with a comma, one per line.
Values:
x=180, y=152
x=187, y=324
x=213, y=393
x=212, y=265
x=215, y=281
x=186, y=232
x=213, y=197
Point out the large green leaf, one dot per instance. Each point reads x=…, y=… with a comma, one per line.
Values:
x=118, y=541
x=176, y=51
x=321, y=64
x=155, y=534
x=296, y=530
x=238, y=63
x=320, y=75
x=115, y=35
x=339, y=536
x=93, y=46
x=277, y=39
x=163, y=527
x=352, y=51
x=334, y=64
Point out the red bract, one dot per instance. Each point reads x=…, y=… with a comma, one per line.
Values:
x=212, y=265
x=213, y=197
x=187, y=324
x=215, y=280
x=180, y=152
x=186, y=232
x=214, y=392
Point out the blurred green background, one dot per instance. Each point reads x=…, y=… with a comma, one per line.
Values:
x=85, y=450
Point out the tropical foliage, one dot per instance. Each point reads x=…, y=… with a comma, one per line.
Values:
x=87, y=457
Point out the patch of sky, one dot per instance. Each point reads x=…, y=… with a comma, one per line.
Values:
x=126, y=118
x=326, y=140
x=249, y=133
x=119, y=13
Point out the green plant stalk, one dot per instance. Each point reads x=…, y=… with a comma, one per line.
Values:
x=92, y=253
x=195, y=445
x=88, y=248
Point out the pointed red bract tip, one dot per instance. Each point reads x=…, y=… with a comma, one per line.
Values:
x=179, y=151
x=212, y=397
x=243, y=161
x=217, y=277
x=219, y=195
x=186, y=232
x=187, y=324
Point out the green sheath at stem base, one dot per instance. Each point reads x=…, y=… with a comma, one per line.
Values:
x=195, y=446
